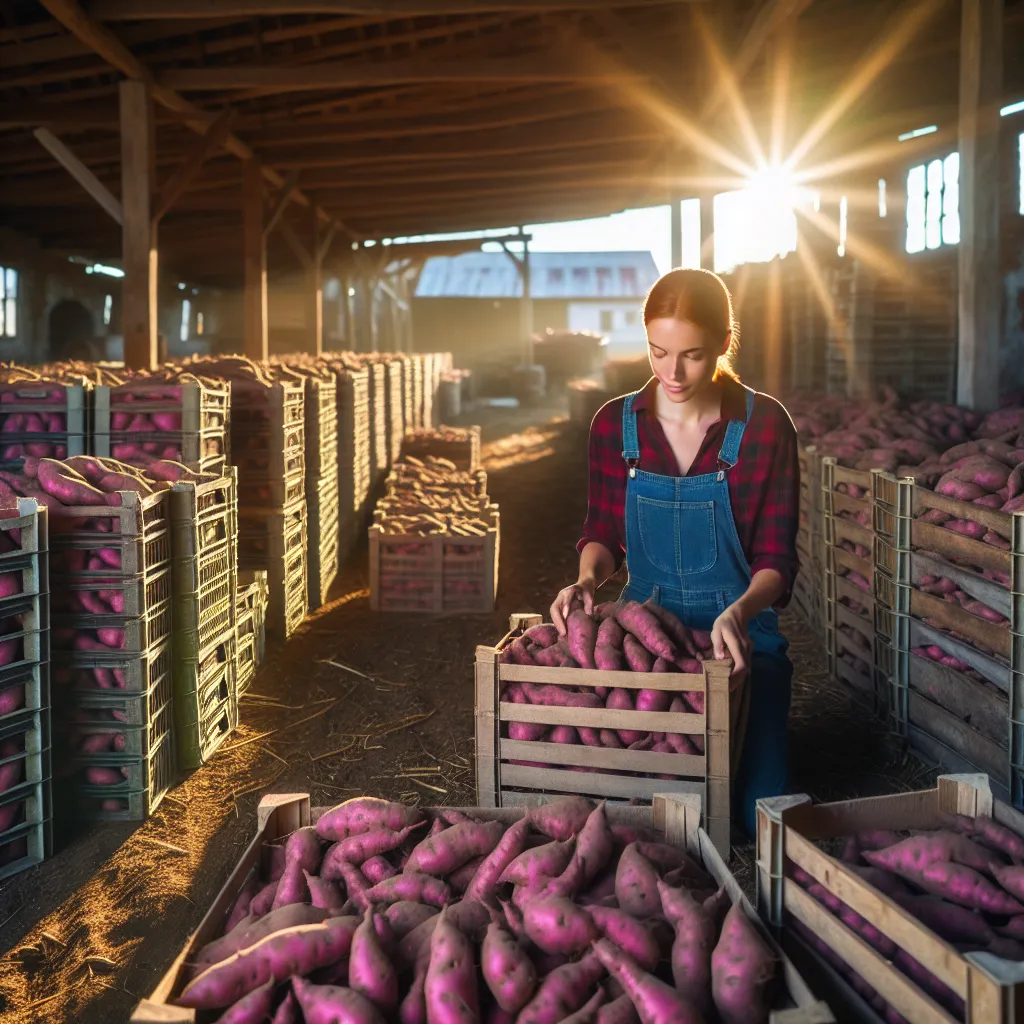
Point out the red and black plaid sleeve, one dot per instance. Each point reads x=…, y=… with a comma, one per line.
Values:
x=764, y=485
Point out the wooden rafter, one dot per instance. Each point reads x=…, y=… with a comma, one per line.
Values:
x=201, y=150
x=80, y=173
x=130, y=10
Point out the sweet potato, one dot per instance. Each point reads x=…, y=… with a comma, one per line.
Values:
x=404, y=916
x=629, y=934
x=741, y=969
x=622, y=700
x=363, y=814
x=556, y=925
x=249, y=931
x=912, y=855
x=544, y=635
x=508, y=849
x=293, y=951
x=370, y=971
x=947, y=920
x=695, y=933
x=562, y=992
x=263, y=900
x=361, y=847
x=253, y=1008
x=534, y=867
x=610, y=633
x=507, y=970
x=582, y=637
x=414, y=886
x=655, y=1002
x=376, y=869
x=450, y=988
x=441, y=854
x=587, y=1014
x=595, y=844
x=561, y=819
x=330, y=1004
x=644, y=625
x=636, y=884
x=961, y=884
x=291, y=888
x=638, y=658
x=618, y=1011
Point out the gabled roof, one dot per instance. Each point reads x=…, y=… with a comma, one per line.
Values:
x=553, y=275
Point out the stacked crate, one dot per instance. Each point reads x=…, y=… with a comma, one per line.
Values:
x=808, y=588
x=322, y=485
x=112, y=670
x=459, y=445
x=377, y=388
x=848, y=572
x=203, y=530
x=42, y=418
x=430, y=364
x=353, y=454
x=251, y=616
x=26, y=813
x=394, y=412
x=960, y=713
x=417, y=391
x=185, y=421
x=268, y=447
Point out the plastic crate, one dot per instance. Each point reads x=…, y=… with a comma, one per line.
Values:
x=321, y=426
x=26, y=805
x=202, y=516
x=205, y=701
x=118, y=673
x=60, y=424
x=277, y=543
x=207, y=611
x=138, y=594
x=245, y=653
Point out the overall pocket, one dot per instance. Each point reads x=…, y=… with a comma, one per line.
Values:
x=678, y=536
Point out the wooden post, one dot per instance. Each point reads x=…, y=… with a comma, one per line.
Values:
x=254, y=255
x=526, y=304
x=347, y=312
x=371, y=289
x=138, y=233
x=316, y=296
x=981, y=287
x=676, y=209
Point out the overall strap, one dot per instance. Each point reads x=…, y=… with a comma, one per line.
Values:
x=630, y=440
x=729, y=454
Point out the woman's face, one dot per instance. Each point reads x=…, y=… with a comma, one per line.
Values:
x=683, y=357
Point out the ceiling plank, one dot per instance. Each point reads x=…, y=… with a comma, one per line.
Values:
x=80, y=173
x=546, y=67
x=136, y=10
x=112, y=50
x=203, y=147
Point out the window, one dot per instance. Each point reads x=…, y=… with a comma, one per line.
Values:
x=8, y=302
x=186, y=319
x=108, y=305
x=580, y=278
x=604, y=280
x=844, y=214
x=199, y=324
x=628, y=280
x=883, y=205
x=556, y=277
x=607, y=320
x=933, y=204
x=1020, y=165
x=690, y=215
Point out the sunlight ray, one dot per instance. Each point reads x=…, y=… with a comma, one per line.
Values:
x=898, y=33
x=816, y=279
x=782, y=76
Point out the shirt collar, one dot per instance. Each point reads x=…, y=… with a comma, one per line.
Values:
x=734, y=400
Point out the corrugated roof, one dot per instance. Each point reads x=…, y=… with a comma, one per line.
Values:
x=553, y=275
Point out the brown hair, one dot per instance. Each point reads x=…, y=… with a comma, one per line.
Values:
x=700, y=298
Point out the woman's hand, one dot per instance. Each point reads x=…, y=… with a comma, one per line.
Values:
x=732, y=640
x=578, y=593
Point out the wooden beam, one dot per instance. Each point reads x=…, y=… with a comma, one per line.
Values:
x=325, y=245
x=203, y=147
x=139, y=248
x=296, y=245
x=547, y=67
x=282, y=201
x=102, y=41
x=254, y=257
x=981, y=286
x=132, y=10
x=80, y=173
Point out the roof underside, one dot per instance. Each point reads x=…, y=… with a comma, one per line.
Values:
x=399, y=117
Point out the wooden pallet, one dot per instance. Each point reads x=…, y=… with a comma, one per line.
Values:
x=788, y=828
x=499, y=782
x=675, y=816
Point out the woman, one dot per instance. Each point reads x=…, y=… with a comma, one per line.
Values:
x=695, y=479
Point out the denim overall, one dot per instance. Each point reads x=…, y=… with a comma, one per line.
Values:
x=682, y=550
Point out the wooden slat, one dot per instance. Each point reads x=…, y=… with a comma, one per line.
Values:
x=602, y=757
x=985, y=708
x=990, y=593
x=132, y=10
x=602, y=718
x=976, y=749
x=674, y=681
x=958, y=620
x=622, y=787
x=929, y=537
x=997, y=673
x=80, y=173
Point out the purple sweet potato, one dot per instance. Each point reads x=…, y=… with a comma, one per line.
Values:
x=556, y=925
x=636, y=884
x=561, y=819
x=912, y=855
x=263, y=900
x=638, y=658
x=610, y=659
x=363, y=814
x=413, y=886
x=961, y=884
x=294, y=951
x=507, y=970
x=618, y=1011
x=534, y=867
x=509, y=847
x=377, y=841
x=451, y=988
x=441, y=854
x=370, y=970
x=655, y=1002
x=458, y=881
x=949, y=921
x=611, y=634
x=742, y=967
x=292, y=886
x=355, y=883
x=404, y=916
x=253, y=1008
x=562, y=992
x=240, y=908
x=587, y=1013
x=629, y=934
x=644, y=625
x=329, y=1004
x=304, y=847
x=1010, y=878
x=695, y=934
x=544, y=635
x=323, y=894
x=250, y=930
x=582, y=638
x=595, y=844
x=878, y=839
x=678, y=633
x=376, y=869
x=288, y=1011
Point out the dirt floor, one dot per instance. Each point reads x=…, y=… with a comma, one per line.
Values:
x=358, y=703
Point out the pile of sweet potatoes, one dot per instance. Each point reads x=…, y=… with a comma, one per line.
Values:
x=33, y=416
x=964, y=882
x=382, y=912
x=618, y=637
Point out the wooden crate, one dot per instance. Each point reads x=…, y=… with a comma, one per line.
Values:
x=500, y=783
x=437, y=572
x=464, y=453
x=788, y=828
x=675, y=815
